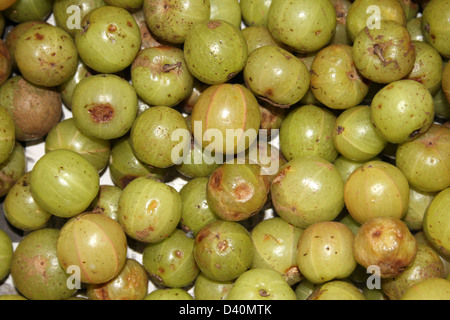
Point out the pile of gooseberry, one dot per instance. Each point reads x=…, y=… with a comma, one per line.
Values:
x=225, y=149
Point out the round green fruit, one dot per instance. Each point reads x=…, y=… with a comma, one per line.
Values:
x=436, y=26
x=26, y=10
x=169, y=294
x=6, y=254
x=7, y=135
x=12, y=169
x=208, y=289
x=337, y=290
x=254, y=12
x=429, y=289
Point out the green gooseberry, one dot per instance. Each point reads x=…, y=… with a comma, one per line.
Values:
x=131, y=283
x=414, y=27
x=124, y=166
x=170, y=262
x=361, y=14
x=299, y=190
x=261, y=284
x=196, y=212
x=305, y=288
x=66, y=135
x=46, y=55
x=346, y=166
x=428, y=67
x=5, y=62
x=355, y=137
x=66, y=88
x=258, y=36
x=410, y=8
x=402, y=111
x=197, y=163
x=160, y=137
x=107, y=201
x=223, y=250
x=169, y=294
x=426, y=264
x=130, y=5
x=7, y=135
x=6, y=254
x=161, y=77
x=276, y=75
x=226, y=10
x=424, y=160
x=12, y=169
x=325, y=252
x=109, y=39
x=209, y=289
x=215, y=51
x=69, y=13
x=20, y=208
x=341, y=35
x=104, y=106
x=93, y=246
x=275, y=243
x=376, y=189
x=149, y=210
x=64, y=183
x=435, y=26
x=307, y=130
x=335, y=81
x=337, y=290
x=303, y=25
x=254, y=12
x=419, y=201
x=384, y=54
x=429, y=289
x=27, y=10
x=236, y=191
x=435, y=223
x=172, y=20
x=35, y=270
x=445, y=85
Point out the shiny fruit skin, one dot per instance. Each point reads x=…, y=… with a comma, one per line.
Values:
x=94, y=243
x=435, y=26
x=429, y=289
x=337, y=290
x=7, y=135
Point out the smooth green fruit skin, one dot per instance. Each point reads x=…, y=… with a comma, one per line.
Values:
x=227, y=10
x=171, y=262
x=209, y=289
x=436, y=26
x=429, y=289
x=261, y=284
x=104, y=106
x=64, y=183
x=435, y=222
x=149, y=211
x=307, y=190
x=254, y=12
x=215, y=51
x=12, y=169
x=35, y=269
x=27, y=10
x=7, y=135
x=337, y=290
x=169, y=294
x=402, y=111
x=109, y=39
x=6, y=254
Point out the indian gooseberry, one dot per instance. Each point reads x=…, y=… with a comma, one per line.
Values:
x=25, y=10
x=304, y=26
x=12, y=168
x=337, y=290
x=237, y=191
x=419, y=201
x=215, y=51
x=435, y=223
x=341, y=36
x=109, y=39
x=276, y=75
x=261, y=284
x=435, y=26
x=169, y=294
x=300, y=187
x=6, y=254
x=414, y=27
x=209, y=289
x=170, y=262
x=254, y=12
x=376, y=189
x=402, y=110
x=35, y=109
x=172, y=20
x=107, y=201
x=446, y=81
x=130, y=5
x=258, y=36
x=64, y=183
x=325, y=252
x=335, y=81
x=46, y=55
x=429, y=289
x=149, y=210
x=226, y=10
x=384, y=54
x=93, y=246
x=66, y=88
x=35, y=270
x=5, y=62
x=7, y=135
x=346, y=166
x=386, y=243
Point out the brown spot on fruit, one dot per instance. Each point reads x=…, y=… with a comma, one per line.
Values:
x=38, y=36
x=112, y=28
x=214, y=24
x=340, y=129
x=216, y=179
x=101, y=112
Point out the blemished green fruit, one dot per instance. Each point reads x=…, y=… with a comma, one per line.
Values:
x=169, y=294
x=261, y=284
x=107, y=201
x=254, y=12
x=12, y=169
x=337, y=290
x=307, y=190
x=303, y=25
x=227, y=10
x=276, y=75
x=402, y=110
x=35, y=269
x=325, y=252
x=46, y=55
x=149, y=210
x=104, y=106
x=7, y=135
x=64, y=183
x=109, y=39
x=435, y=26
x=6, y=254
x=208, y=289
x=215, y=51
x=172, y=20
x=171, y=262
x=92, y=246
